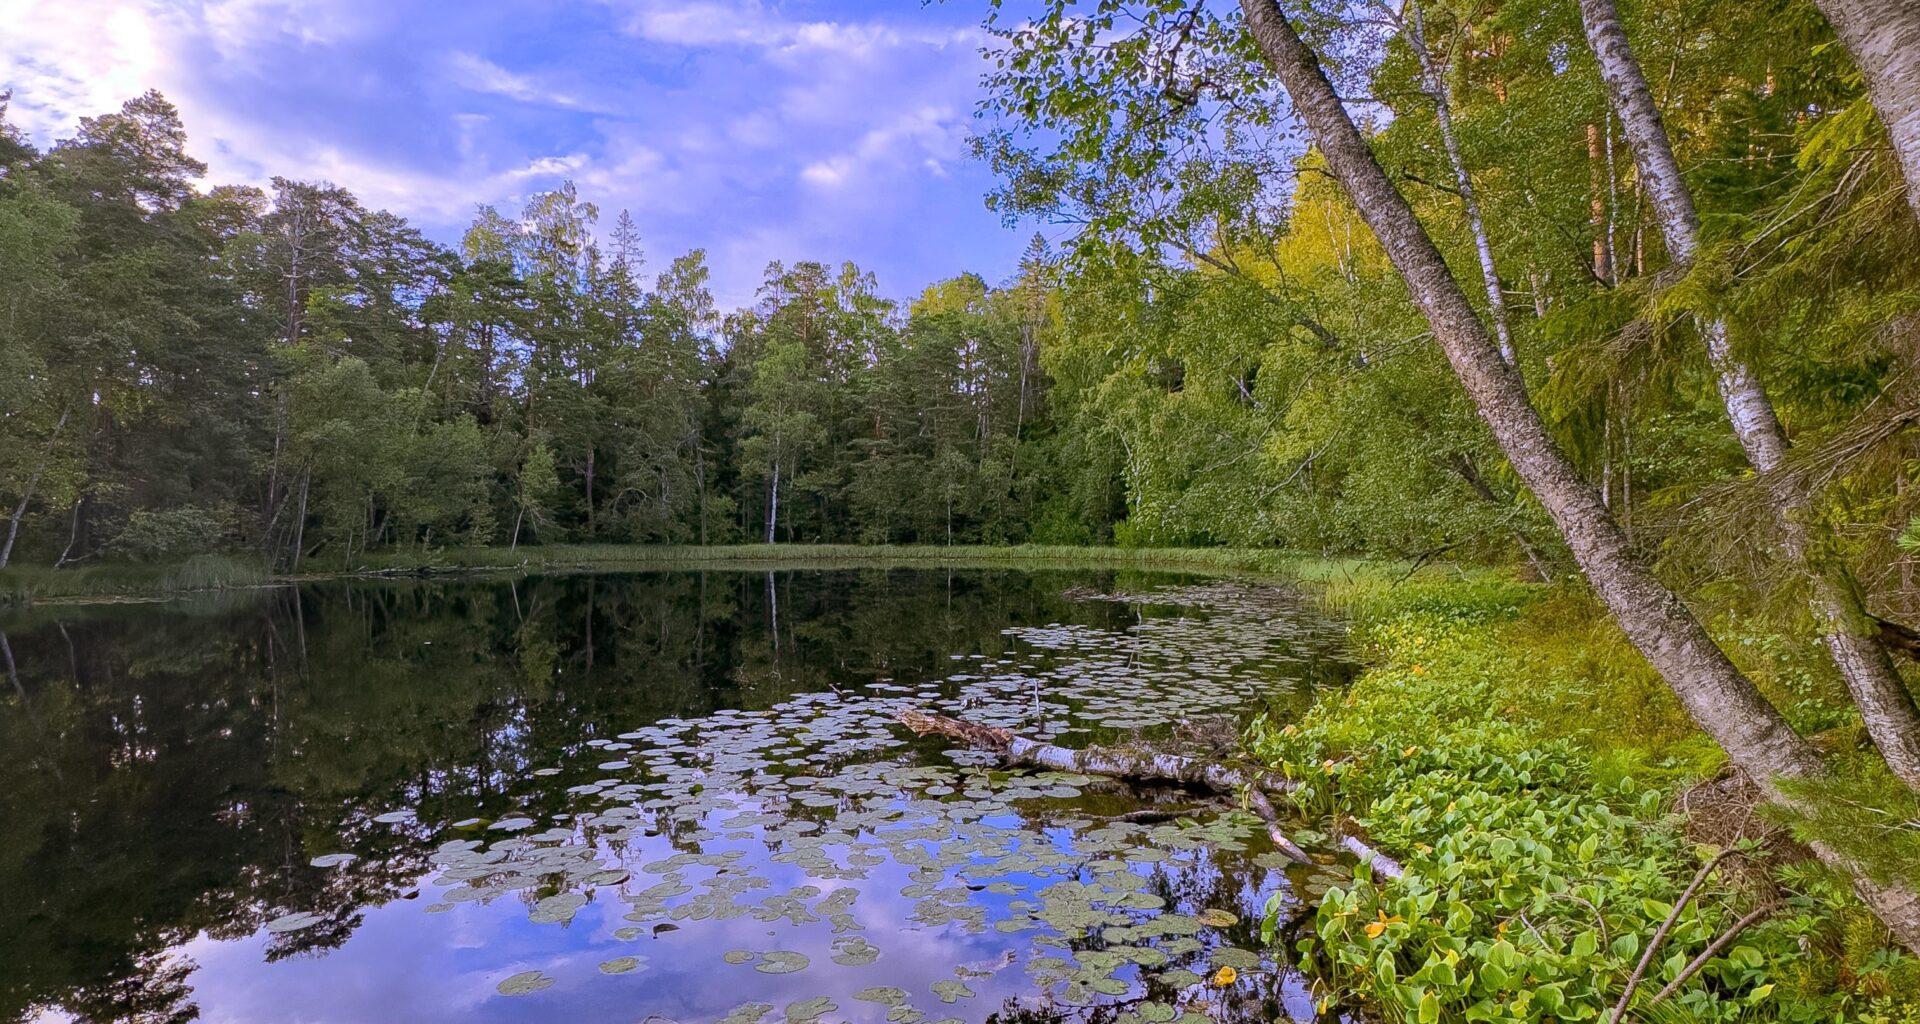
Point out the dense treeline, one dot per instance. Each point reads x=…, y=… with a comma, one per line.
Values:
x=288, y=373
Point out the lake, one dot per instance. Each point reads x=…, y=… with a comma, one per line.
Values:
x=673, y=796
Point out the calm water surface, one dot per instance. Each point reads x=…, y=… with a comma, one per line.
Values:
x=617, y=798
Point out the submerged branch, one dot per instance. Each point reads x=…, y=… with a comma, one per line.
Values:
x=1256, y=789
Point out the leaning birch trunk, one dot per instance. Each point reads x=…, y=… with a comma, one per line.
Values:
x=1718, y=697
x=1850, y=633
x=1146, y=767
x=1884, y=38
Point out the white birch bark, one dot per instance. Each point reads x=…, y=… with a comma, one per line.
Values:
x=1850, y=634
x=1884, y=38
x=1724, y=702
x=1433, y=77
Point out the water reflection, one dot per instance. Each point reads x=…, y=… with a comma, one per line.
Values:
x=169, y=775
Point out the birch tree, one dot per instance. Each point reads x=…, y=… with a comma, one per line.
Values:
x=1723, y=701
x=1851, y=634
x=1884, y=38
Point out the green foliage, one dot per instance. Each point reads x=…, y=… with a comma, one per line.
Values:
x=1531, y=809
x=174, y=533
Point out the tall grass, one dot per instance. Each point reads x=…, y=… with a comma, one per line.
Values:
x=617, y=556
x=22, y=585
x=25, y=585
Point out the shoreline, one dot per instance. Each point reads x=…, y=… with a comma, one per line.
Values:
x=29, y=586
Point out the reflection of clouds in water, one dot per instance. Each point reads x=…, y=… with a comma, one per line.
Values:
x=795, y=790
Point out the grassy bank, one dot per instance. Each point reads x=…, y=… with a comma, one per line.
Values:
x=24, y=585
x=569, y=557
x=1527, y=768
x=27, y=585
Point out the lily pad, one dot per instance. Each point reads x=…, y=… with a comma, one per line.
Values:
x=747, y=1013
x=854, y=951
x=524, y=983
x=810, y=1009
x=782, y=961
x=293, y=922
x=621, y=965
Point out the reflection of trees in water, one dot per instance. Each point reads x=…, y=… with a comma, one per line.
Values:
x=171, y=771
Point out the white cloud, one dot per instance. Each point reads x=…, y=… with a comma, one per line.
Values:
x=722, y=124
x=479, y=74
x=63, y=60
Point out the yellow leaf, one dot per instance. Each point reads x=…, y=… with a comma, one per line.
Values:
x=1225, y=976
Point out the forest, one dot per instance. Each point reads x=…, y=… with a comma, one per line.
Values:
x=285, y=374
x=1621, y=300
x=1218, y=353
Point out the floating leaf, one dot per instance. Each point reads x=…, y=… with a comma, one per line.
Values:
x=782, y=961
x=810, y=1009
x=621, y=965
x=854, y=951
x=293, y=922
x=524, y=983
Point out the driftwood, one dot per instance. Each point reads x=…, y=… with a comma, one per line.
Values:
x=1257, y=789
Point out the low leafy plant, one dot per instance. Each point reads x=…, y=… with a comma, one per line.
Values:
x=1538, y=867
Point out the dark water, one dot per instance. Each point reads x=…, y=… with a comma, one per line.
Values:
x=610, y=798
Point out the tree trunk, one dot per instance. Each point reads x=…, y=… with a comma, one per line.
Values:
x=773, y=501
x=1718, y=697
x=1884, y=38
x=1139, y=766
x=26, y=495
x=700, y=480
x=1596, y=207
x=1851, y=635
x=73, y=532
x=589, y=485
x=300, y=521
x=1435, y=80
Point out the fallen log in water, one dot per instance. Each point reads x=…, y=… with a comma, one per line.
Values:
x=1254, y=788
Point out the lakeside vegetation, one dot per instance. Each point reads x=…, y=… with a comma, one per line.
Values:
x=1552, y=803
x=23, y=585
x=1654, y=346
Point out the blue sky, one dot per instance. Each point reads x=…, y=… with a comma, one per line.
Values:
x=756, y=129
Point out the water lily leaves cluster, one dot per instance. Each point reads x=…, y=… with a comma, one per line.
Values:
x=825, y=784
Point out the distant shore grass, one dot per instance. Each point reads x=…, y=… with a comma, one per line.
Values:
x=24, y=585
x=636, y=556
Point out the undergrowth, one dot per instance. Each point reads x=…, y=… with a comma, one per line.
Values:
x=1523, y=764
x=21, y=585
